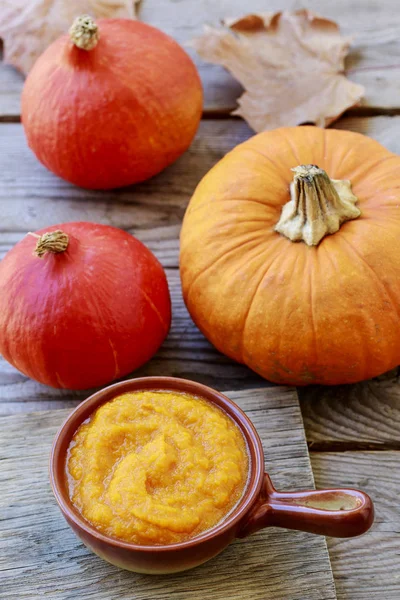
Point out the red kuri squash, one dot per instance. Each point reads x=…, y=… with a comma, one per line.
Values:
x=81, y=304
x=111, y=104
x=297, y=274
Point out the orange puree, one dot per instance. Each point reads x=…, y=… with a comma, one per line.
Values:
x=156, y=467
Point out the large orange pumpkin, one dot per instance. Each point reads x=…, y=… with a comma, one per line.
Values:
x=112, y=106
x=300, y=282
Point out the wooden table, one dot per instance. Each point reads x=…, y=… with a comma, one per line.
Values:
x=353, y=432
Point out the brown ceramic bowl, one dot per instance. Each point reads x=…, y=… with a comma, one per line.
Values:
x=335, y=512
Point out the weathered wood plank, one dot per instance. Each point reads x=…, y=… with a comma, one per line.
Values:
x=11, y=82
x=383, y=129
x=369, y=566
x=185, y=353
x=365, y=413
x=374, y=60
x=41, y=556
x=163, y=241
x=32, y=198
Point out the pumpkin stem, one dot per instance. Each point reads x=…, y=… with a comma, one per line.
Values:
x=51, y=241
x=84, y=32
x=318, y=206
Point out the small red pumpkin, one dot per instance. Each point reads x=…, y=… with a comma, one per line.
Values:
x=112, y=104
x=81, y=304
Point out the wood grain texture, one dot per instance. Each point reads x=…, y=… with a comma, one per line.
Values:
x=375, y=55
x=31, y=198
x=369, y=566
x=384, y=129
x=366, y=413
x=185, y=353
x=11, y=82
x=40, y=556
x=374, y=60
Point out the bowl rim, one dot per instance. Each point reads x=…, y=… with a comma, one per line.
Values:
x=174, y=384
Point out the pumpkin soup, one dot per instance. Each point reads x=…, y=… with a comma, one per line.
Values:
x=156, y=467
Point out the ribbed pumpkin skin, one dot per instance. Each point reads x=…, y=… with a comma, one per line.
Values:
x=84, y=317
x=296, y=314
x=117, y=114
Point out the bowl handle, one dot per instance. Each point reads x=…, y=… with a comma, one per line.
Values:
x=334, y=512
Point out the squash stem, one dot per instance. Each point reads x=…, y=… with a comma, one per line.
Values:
x=51, y=241
x=84, y=32
x=318, y=206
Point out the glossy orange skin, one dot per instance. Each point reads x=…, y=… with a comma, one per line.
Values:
x=117, y=114
x=84, y=317
x=296, y=314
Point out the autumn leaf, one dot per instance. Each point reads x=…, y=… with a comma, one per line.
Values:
x=27, y=27
x=290, y=64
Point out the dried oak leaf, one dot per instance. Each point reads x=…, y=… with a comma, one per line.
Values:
x=290, y=63
x=28, y=27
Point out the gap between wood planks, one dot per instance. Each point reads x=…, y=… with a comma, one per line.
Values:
x=351, y=446
x=357, y=111
x=335, y=422
x=226, y=113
